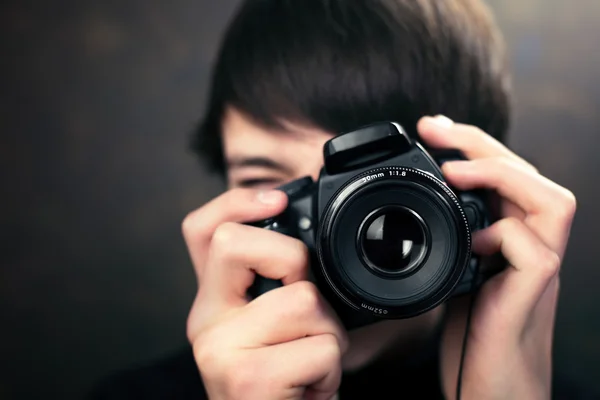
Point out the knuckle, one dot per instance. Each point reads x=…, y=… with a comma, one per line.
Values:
x=207, y=352
x=329, y=348
x=306, y=297
x=509, y=225
x=550, y=264
x=299, y=257
x=222, y=246
x=224, y=234
x=534, y=170
x=215, y=361
x=569, y=204
x=191, y=226
x=194, y=322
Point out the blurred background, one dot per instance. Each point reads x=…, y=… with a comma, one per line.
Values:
x=97, y=99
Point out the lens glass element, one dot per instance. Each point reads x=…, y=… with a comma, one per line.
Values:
x=393, y=239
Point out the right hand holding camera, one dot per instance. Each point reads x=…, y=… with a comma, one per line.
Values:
x=286, y=343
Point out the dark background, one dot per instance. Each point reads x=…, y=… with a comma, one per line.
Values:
x=96, y=102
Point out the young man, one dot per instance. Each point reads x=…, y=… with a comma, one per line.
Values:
x=292, y=74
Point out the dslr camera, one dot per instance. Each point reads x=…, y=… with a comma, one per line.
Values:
x=388, y=237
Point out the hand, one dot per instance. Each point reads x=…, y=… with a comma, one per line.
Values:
x=285, y=344
x=510, y=337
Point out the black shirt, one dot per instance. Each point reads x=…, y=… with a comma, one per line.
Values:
x=177, y=377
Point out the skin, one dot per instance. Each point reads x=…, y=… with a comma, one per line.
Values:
x=289, y=344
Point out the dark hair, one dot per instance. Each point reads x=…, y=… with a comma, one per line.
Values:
x=341, y=64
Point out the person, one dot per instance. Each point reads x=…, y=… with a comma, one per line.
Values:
x=289, y=76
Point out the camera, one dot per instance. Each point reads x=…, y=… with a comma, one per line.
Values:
x=388, y=237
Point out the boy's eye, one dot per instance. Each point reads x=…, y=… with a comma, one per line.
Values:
x=259, y=182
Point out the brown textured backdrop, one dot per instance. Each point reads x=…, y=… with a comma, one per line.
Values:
x=96, y=100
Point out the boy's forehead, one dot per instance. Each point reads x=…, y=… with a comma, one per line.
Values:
x=242, y=137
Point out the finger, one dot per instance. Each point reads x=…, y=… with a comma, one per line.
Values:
x=532, y=264
x=238, y=252
x=289, y=313
x=440, y=132
x=550, y=207
x=236, y=205
x=312, y=362
x=297, y=369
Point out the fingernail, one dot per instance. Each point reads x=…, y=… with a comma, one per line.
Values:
x=269, y=196
x=442, y=121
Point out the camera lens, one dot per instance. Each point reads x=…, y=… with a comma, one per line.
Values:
x=393, y=240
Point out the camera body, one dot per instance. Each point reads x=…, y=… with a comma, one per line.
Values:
x=388, y=237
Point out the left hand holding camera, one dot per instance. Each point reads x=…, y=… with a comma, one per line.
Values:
x=509, y=345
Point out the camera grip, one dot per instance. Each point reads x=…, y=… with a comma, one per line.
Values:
x=283, y=224
x=261, y=284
